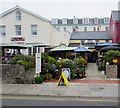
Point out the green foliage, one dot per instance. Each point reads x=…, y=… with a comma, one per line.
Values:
x=48, y=76
x=26, y=58
x=101, y=67
x=81, y=61
x=51, y=60
x=39, y=79
x=27, y=65
x=80, y=70
x=110, y=55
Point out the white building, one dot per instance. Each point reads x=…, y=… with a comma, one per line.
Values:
x=18, y=25
x=82, y=24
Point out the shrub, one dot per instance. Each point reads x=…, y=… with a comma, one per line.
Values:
x=27, y=65
x=81, y=62
x=51, y=60
x=26, y=58
x=101, y=67
x=110, y=55
x=39, y=79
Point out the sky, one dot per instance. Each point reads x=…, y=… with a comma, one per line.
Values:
x=64, y=8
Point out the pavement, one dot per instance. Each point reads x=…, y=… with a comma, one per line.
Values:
x=96, y=86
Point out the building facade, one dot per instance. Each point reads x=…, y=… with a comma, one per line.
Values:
x=115, y=26
x=81, y=24
x=89, y=39
x=18, y=25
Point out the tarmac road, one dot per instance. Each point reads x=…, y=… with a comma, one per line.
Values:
x=11, y=100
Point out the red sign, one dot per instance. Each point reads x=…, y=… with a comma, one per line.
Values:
x=18, y=39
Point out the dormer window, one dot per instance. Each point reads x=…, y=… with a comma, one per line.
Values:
x=18, y=15
x=106, y=20
x=75, y=20
x=95, y=20
x=64, y=21
x=85, y=20
x=54, y=21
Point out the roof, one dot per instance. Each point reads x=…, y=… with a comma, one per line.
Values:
x=20, y=8
x=116, y=16
x=90, y=35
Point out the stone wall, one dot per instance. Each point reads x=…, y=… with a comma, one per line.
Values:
x=111, y=71
x=16, y=74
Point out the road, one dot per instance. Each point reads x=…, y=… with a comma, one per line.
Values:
x=56, y=101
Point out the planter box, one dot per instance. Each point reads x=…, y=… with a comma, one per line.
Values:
x=111, y=71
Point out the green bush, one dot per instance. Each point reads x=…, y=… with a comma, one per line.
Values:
x=110, y=55
x=101, y=67
x=26, y=58
x=51, y=60
x=39, y=79
x=81, y=62
x=27, y=65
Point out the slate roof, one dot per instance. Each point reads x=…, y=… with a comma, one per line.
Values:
x=116, y=16
x=29, y=12
x=101, y=35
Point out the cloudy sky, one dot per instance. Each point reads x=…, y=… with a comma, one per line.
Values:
x=64, y=8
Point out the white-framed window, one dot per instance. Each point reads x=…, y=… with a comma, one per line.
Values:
x=18, y=15
x=95, y=20
x=98, y=28
x=106, y=28
x=33, y=30
x=64, y=21
x=94, y=28
x=54, y=21
x=18, y=29
x=75, y=20
x=2, y=31
x=106, y=20
x=85, y=20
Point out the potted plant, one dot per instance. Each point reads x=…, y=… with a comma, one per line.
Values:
x=48, y=76
x=80, y=72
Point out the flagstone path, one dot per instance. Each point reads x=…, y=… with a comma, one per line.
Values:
x=92, y=72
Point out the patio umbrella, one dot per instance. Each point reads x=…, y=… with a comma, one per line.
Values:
x=62, y=48
x=110, y=48
x=82, y=49
x=13, y=46
x=99, y=46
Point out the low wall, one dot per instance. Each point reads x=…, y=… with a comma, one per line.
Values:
x=16, y=74
x=111, y=71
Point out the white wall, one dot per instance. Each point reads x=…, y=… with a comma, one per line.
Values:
x=46, y=32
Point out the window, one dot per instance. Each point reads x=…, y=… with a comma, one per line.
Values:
x=94, y=28
x=85, y=28
x=95, y=20
x=85, y=20
x=98, y=29
x=34, y=30
x=54, y=21
x=106, y=28
x=18, y=29
x=2, y=30
x=75, y=20
x=18, y=15
x=64, y=21
x=106, y=20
